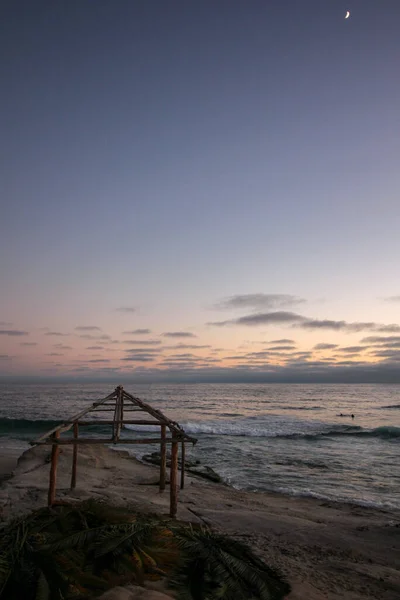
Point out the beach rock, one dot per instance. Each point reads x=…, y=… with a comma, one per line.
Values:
x=133, y=592
x=205, y=472
x=191, y=466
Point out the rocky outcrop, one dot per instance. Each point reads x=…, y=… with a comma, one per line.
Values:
x=194, y=467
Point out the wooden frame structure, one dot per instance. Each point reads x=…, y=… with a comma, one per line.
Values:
x=121, y=404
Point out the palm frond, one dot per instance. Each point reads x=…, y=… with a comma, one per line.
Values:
x=76, y=540
x=230, y=570
x=136, y=533
x=76, y=551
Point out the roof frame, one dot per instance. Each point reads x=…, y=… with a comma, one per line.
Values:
x=120, y=403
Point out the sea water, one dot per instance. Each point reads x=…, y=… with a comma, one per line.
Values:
x=294, y=439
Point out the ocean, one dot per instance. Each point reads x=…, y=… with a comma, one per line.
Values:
x=273, y=437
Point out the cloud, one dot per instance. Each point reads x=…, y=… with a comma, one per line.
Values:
x=126, y=309
x=87, y=328
x=54, y=354
x=392, y=299
x=62, y=347
x=99, y=360
x=179, y=334
x=13, y=332
x=377, y=339
x=259, y=301
x=95, y=348
x=390, y=345
x=352, y=349
x=296, y=320
x=387, y=353
x=302, y=371
x=186, y=355
x=146, y=350
x=56, y=333
x=338, y=325
x=279, y=348
x=323, y=346
x=186, y=346
x=138, y=358
x=28, y=344
x=264, y=354
x=89, y=336
x=283, y=341
x=5, y=357
x=143, y=342
x=393, y=328
x=272, y=318
x=137, y=332
x=5, y=324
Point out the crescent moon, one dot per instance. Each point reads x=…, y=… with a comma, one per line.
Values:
x=347, y=14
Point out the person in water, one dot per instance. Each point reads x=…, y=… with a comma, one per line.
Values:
x=352, y=416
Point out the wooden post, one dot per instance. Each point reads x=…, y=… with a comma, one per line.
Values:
x=183, y=465
x=118, y=413
x=163, y=457
x=174, y=480
x=74, y=457
x=55, y=450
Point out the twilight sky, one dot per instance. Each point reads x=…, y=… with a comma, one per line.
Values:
x=219, y=178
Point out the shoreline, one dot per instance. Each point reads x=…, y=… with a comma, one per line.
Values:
x=10, y=456
x=328, y=550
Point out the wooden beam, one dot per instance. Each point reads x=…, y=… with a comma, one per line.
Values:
x=64, y=425
x=109, y=422
x=108, y=442
x=173, y=426
x=183, y=466
x=173, y=507
x=53, y=470
x=163, y=457
x=74, y=457
x=113, y=409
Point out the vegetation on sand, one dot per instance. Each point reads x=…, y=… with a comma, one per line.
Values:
x=78, y=551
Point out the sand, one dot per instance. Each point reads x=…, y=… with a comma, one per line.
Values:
x=328, y=550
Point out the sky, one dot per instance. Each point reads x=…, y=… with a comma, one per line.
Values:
x=200, y=190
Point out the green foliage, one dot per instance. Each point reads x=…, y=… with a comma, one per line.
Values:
x=76, y=552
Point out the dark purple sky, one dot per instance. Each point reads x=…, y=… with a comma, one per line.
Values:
x=163, y=155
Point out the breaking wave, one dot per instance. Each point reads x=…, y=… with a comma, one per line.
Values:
x=241, y=427
x=250, y=428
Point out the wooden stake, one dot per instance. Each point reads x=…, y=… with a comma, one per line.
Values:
x=55, y=450
x=74, y=457
x=183, y=466
x=118, y=416
x=163, y=457
x=173, y=480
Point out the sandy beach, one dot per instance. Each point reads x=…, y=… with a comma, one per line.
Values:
x=327, y=550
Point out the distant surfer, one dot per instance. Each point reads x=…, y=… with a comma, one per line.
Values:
x=341, y=415
x=352, y=416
